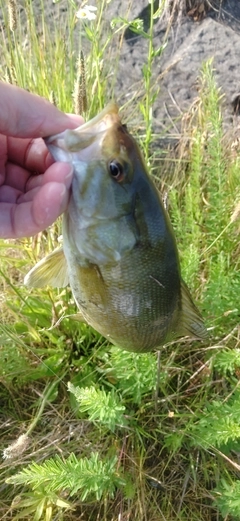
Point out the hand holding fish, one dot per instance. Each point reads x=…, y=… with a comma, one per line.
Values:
x=34, y=191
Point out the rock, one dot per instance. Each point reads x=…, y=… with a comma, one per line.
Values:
x=208, y=39
x=189, y=44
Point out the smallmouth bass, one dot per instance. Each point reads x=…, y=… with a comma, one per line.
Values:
x=119, y=252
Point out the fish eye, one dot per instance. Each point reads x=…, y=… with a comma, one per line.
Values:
x=116, y=170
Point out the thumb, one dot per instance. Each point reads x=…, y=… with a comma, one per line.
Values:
x=27, y=115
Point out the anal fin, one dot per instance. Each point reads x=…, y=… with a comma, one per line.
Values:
x=191, y=321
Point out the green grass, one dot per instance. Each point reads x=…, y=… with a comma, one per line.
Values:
x=83, y=433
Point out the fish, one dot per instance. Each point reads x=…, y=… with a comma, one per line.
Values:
x=119, y=252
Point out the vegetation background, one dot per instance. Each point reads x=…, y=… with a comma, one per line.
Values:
x=89, y=431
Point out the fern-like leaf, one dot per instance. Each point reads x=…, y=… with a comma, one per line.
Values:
x=92, y=476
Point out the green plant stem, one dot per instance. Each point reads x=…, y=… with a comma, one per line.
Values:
x=44, y=399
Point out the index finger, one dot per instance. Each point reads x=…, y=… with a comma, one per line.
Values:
x=31, y=154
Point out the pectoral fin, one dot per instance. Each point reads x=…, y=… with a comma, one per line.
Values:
x=191, y=320
x=50, y=271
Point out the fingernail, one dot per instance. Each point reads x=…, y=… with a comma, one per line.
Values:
x=68, y=178
x=64, y=196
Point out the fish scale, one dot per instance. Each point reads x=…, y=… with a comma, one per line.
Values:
x=115, y=306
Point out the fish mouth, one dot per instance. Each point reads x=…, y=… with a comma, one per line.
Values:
x=93, y=131
x=100, y=123
x=57, y=147
x=56, y=138
x=107, y=117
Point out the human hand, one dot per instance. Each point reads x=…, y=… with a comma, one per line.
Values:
x=34, y=191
